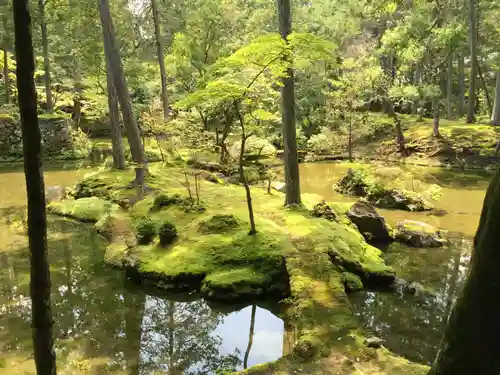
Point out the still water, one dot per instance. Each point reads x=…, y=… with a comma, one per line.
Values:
x=103, y=325
x=412, y=326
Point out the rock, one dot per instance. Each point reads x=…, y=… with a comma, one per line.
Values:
x=255, y=149
x=323, y=210
x=54, y=193
x=418, y=234
x=353, y=183
x=279, y=186
x=117, y=229
x=351, y=281
x=369, y=222
x=374, y=342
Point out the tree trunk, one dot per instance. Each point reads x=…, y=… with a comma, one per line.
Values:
x=416, y=82
x=115, y=63
x=243, y=178
x=495, y=116
x=485, y=88
x=470, y=344
x=449, y=87
x=400, y=138
x=349, y=142
x=161, y=58
x=435, y=127
x=6, y=75
x=46, y=60
x=292, y=178
x=114, y=124
x=471, y=105
x=461, y=86
x=391, y=70
x=77, y=100
x=250, y=337
x=42, y=321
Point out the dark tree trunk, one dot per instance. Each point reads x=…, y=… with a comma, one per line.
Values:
x=471, y=107
x=449, y=87
x=461, y=86
x=485, y=88
x=435, y=126
x=46, y=60
x=6, y=75
x=470, y=344
x=114, y=125
x=292, y=178
x=495, y=116
x=400, y=138
x=77, y=100
x=115, y=63
x=42, y=321
x=243, y=178
x=250, y=336
x=161, y=58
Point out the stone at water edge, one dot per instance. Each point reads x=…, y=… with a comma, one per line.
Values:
x=374, y=342
x=369, y=222
x=418, y=234
x=279, y=186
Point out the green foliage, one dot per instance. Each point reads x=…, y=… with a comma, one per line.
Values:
x=146, y=229
x=219, y=224
x=164, y=200
x=167, y=233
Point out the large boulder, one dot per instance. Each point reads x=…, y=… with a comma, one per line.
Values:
x=369, y=222
x=418, y=234
x=255, y=149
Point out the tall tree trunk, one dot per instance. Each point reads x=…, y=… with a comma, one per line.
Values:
x=391, y=70
x=435, y=109
x=161, y=58
x=46, y=60
x=6, y=75
x=114, y=125
x=485, y=88
x=250, y=336
x=349, y=142
x=243, y=178
x=416, y=82
x=495, y=116
x=292, y=178
x=77, y=99
x=470, y=344
x=115, y=63
x=471, y=107
x=42, y=321
x=461, y=86
x=449, y=87
x=400, y=138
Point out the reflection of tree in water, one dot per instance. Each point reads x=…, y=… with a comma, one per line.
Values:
x=179, y=338
x=411, y=325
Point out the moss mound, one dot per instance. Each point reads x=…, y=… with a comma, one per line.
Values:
x=219, y=224
x=86, y=209
x=360, y=183
x=167, y=232
x=146, y=229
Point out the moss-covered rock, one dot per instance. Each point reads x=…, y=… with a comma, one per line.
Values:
x=369, y=222
x=418, y=234
x=322, y=209
x=165, y=200
x=255, y=149
x=351, y=281
x=86, y=209
x=360, y=183
x=219, y=224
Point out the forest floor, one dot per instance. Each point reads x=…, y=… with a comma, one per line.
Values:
x=294, y=255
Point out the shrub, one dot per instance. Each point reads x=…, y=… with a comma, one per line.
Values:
x=164, y=200
x=146, y=229
x=167, y=233
x=219, y=224
x=320, y=144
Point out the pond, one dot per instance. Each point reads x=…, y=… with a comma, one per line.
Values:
x=413, y=326
x=105, y=325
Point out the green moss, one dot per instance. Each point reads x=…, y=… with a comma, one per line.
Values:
x=351, y=281
x=219, y=224
x=167, y=233
x=85, y=209
x=146, y=230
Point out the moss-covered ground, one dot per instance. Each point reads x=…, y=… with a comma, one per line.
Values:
x=293, y=256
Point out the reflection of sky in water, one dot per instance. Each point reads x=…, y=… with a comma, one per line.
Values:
x=267, y=340
x=211, y=337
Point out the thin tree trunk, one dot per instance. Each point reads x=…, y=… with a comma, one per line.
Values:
x=114, y=123
x=6, y=75
x=42, y=321
x=461, y=86
x=471, y=107
x=243, y=178
x=391, y=70
x=449, y=87
x=416, y=82
x=115, y=63
x=161, y=58
x=435, y=127
x=250, y=337
x=495, y=116
x=77, y=100
x=349, y=142
x=485, y=89
x=470, y=344
x=46, y=60
x=292, y=178
x=400, y=138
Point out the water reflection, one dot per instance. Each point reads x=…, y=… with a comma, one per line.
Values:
x=413, y=325
x=103, y=327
